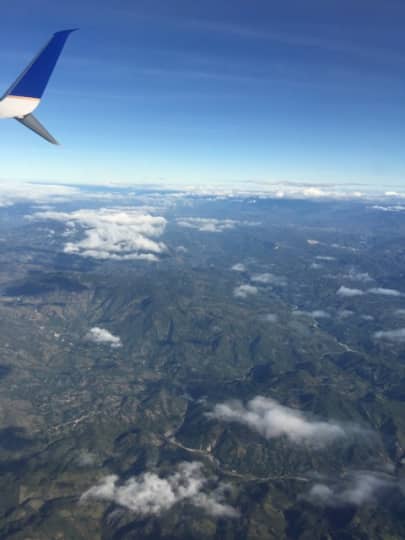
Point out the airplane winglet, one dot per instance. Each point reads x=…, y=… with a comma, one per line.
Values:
x=33, y=80
x=32, y=123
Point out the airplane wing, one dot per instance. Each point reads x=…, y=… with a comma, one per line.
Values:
x=25, y=94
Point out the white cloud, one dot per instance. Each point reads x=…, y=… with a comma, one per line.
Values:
x=150, y=494
x=316, y=266
x=325, y=258
x=400, y=312
x=269, y=279
x=273, y=420
x=212, y=225
x=86, y=459
x=393, y=208
x=36, y=193
x=116, y=234
x=391, y=335
x=239, y=267
x=243, y=291
x=100, y=335
x=270, y=317
x=385, y=292
x=319, y=314
x=316, y=314
x=348, y=292
x=358, y=488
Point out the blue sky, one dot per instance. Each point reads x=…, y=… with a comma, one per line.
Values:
x=203, y=92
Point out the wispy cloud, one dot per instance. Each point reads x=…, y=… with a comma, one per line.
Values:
x=391, y=335
x=103, y=336
x=150, y=494
x=86, y=459
x=358, y=276
x=269, y=279
x=392, y=208
x=116, y=234
x=211, y=225
x=273, y=420
x=243, y=291
x=269, y=317
x=385, y=292
x=315, y=314
x=357, y=488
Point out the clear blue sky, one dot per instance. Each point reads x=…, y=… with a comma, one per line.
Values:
x=203, y=91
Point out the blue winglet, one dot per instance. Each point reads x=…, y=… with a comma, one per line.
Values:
x=33, y=80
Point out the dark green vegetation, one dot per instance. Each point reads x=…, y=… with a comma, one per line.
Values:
x=73, y=411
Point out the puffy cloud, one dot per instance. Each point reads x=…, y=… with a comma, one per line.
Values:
x=358, y=488
x=100, y=335
x=239, y=267
x=400, y=312
x=348, y=292
x=385, y=292
x=273, y=420
x=150, y=494
x=243, y=291
x=116, y=234
x=391, y=335
x=269, y=279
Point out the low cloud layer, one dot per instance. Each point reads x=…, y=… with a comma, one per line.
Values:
x=48, y=194
x=150, y=494
x=116, y=234
x=273, y=420
x=243, y=291
x=100, y=335
x=357, y=488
